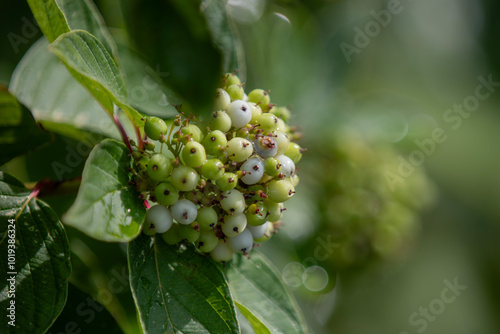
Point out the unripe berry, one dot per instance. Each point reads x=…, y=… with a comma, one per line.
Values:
x=222, y=252
x=142, y=163
x=172, y=236
x=192, y=131
x=155, y=127
x=227, y=182
x=234, y=224
x=213, y=169
x=236, y=92
x=243, y=242
x=265, y=146
x=282, y=141
x=280, y=191
x=256, y=112
x=272, y=166
x=207, y=218
x=158, y=218
x=231, y=79
x=294, y=152
x=239, y=149
x=258, y=231
x=166, y=194
x=240, y=113
x=220, y=121
x=281, y=112
x=207, y=241
x=184, y=178
x=191, y=232
x=215, y=142
x=267, y=235
x=254, y=170
x=261, y=97
x=184, y=211
x=268, y=122
x=274, y=209
x=287, y=165
x=159, y=167
x=222, y=99
x=193, y=154
x=233, y=202
x=256, y=214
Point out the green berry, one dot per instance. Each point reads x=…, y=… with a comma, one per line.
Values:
x=215, y=142
x=236, y=92
x=274, y=209
x=207, y=218
x=233, y=202
x=192, y=131
x=155, y=127
x=222, y=99
x=239, y=149
x=256, y=112
x=172, y=236
x=267, y=235
x=213, y=169
x=207, y=241
x=260, y=97
x=222, y=252
x=268, y=122
x=234, y=224
x=281, y=112
x=193, y=154
x=282, y=141
x=159, y=167
x=227, y=182
x=294, y=152
x=142, y=163
x=280, y=191
x=272, y=166
x=232, y=79
x=220, y=121
x=166, y=194
x=185, y=178
x=256, y=214
x=191, y=232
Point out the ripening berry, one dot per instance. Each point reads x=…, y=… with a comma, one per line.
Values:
x=260, y=97
x=222, y=252
x=207, y=218
x=184, y=211
x=265, y=146
x=280, y=191
x=268, y=122
x=274, y=209
x=256, y=214
x=254, y=170
x=287, y=165
x=234, y=224
x=158, y=218
x=294, y=152
x=159, y=167
x=233, y=202
x=258, y=231
x=190, y=232
x=236, y=92
x=243, y=242
x=239, y=149
x=282, y=141
x=166, y=194
x=184, y=178
x=240, y=113
x=222, y=99
x=213, y=169
x=193, y=154
x=272, y=166
x=172, y=236
x=192, y=131
x=155, y=127
x=207, y=241
x=256, y=112
x=215, y=142
x=267, y=235
x=227, y=182
x=220, y=121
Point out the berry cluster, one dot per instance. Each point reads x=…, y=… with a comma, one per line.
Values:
x=221, y=182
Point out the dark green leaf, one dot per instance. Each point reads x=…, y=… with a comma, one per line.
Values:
x=18, y=131
x=178, y=291
x=56, y=99
x=82, y=314
x=257, y=286
x=42, y=264
x=174, y=36
x=107, y=207
x=90, y=63
x=215, y=12
x=49, y=17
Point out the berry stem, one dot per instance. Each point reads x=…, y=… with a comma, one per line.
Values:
x=123, y=133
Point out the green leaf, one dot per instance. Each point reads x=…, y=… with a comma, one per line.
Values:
x=42, y=265
x=178, y=290
x=255, y=284
x=254, y=322
x=90, y=63
x=174, y=36
x=49, y=17
x=107, y=207
x=82, y=314
x=56, y=99
x=215, y=12
x=18, y=131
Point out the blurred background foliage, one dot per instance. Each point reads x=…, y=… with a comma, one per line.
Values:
x=360, y=257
